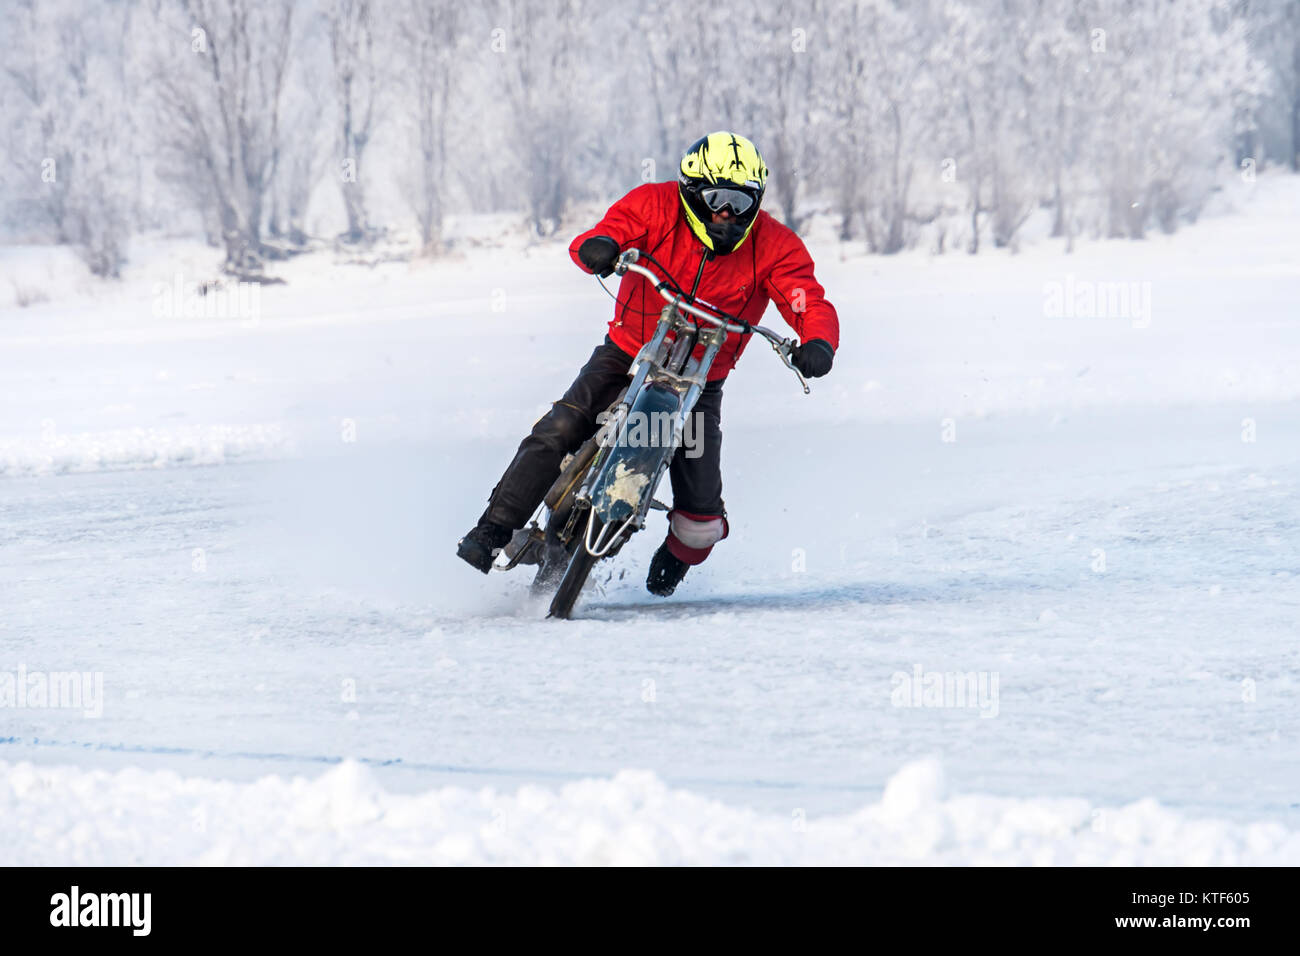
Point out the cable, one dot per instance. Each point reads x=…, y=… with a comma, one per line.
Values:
x=677, y=290
x=667, y=279
x=639, y=312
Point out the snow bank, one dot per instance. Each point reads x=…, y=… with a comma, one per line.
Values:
x=63, y=815
x=127, y=448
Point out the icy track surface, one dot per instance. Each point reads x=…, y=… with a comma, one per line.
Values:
x=70, y=817
x=246, y=528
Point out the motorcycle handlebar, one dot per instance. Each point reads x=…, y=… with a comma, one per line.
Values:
x=627, y=262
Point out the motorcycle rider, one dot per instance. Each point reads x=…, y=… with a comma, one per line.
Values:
x=706, y=225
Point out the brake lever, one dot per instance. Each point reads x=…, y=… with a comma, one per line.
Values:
x=625, y=259
x=783, y=349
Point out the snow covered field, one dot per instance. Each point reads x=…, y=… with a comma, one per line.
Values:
x=246, y=523
x=344, y=816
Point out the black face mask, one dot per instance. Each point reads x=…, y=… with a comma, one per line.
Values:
x=725, y=235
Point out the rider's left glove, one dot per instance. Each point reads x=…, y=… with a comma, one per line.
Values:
x=813, y=359
x=599, y=253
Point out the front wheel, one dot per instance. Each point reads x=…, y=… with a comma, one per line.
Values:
x=580, y=565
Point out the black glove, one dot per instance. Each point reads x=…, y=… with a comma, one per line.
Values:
x=813, y=359
x=599, y=254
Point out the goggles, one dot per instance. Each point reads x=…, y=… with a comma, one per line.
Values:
x=718, y=198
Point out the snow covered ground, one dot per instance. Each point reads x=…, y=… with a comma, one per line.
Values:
x=244, y=523
x=345, y=817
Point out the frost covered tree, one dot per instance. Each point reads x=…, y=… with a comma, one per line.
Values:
x=355, y=59
x=675, y=67
x=1060, y=103
x=1167, y=81
x=306, y=141
x=542, y=52
x=893, y=80
x=1274, y=31
x=924, y=118
x=431, y=48
x=985, y=82
x=792, y=45
x=69, y=136
x=218, y=74
x=1119, y=113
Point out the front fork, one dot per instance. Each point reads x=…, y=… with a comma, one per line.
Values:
x=620, y=488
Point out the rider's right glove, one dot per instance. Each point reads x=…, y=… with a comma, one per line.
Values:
x=599, y=254
x=813, y=359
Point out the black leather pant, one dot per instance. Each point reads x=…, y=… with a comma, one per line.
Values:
x=696, y=478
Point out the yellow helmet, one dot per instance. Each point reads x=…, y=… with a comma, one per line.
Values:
x=722, y=174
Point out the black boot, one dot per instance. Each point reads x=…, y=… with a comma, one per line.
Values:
x=480, y=546
x=666, y=572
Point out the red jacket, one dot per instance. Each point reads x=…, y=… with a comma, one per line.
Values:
x=771, y=264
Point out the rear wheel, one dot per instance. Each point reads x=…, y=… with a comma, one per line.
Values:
x=580, y=565
x=557, y=544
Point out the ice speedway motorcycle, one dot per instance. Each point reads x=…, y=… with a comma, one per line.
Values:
x=606, y=489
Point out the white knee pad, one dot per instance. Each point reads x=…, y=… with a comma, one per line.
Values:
x=697, y=534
